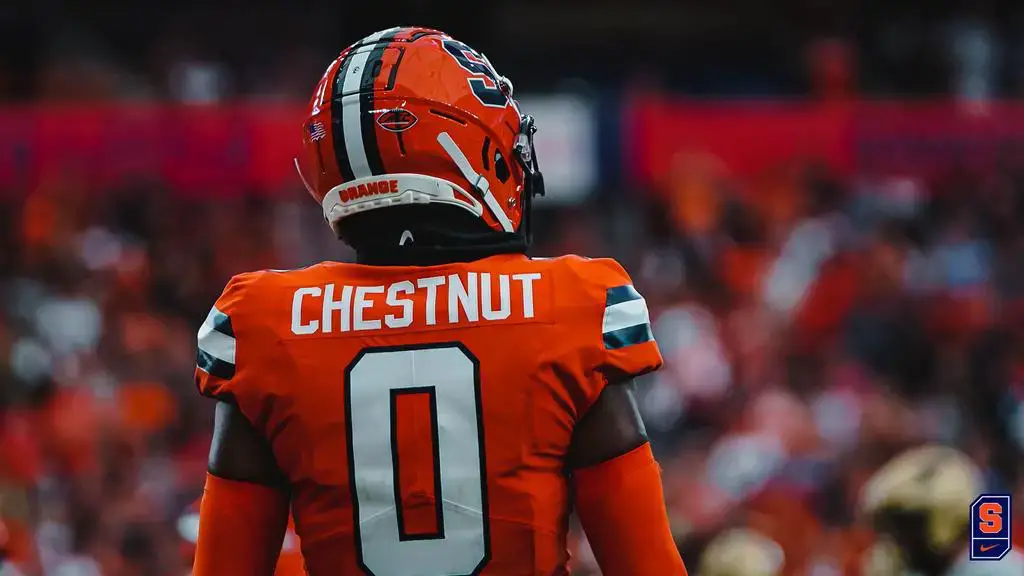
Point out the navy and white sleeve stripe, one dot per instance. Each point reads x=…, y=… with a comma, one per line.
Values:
x=626, y=320
x=216, y=355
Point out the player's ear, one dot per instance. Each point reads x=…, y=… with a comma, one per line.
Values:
x=239, y=452
x=610, y=428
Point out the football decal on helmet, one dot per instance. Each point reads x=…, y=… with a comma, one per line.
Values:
x=396, y=119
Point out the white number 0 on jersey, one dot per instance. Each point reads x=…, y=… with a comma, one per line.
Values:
x=450, y=375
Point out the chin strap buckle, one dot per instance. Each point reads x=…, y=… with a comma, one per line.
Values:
x=526, y=155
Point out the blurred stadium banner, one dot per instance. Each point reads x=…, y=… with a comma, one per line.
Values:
x=194, y=149
x=919, y=139
x=928, y=138
x=748, y=137
x=230, y=150
x=566, y=144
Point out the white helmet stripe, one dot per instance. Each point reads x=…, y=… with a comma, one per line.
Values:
x=351, y=106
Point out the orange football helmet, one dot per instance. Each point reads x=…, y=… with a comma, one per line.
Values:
x=411, y=116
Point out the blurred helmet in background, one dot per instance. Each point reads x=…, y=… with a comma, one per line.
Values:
x=741, y=552
x=921, y=499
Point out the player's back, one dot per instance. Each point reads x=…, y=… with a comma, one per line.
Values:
x=423, y=415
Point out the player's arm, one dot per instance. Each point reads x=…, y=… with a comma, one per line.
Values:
x=616, y=480
x=244, y=512
x=618, y=490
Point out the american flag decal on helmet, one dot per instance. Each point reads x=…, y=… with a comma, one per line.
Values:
x=317, y=131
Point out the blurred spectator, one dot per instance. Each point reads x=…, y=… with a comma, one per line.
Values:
x=974, y=53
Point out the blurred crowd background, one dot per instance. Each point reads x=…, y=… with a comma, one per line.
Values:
x=822, y=202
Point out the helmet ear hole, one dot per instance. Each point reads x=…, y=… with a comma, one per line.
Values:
x=486, y=153
x=501, y=170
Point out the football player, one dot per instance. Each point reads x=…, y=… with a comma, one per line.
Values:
x=437, y=408
x=289, y=563
x=919, y=503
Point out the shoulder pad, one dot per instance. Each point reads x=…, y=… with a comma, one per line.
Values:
x=622, y=326
x=216, y=342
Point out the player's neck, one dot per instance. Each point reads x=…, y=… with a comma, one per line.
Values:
x=429, y=255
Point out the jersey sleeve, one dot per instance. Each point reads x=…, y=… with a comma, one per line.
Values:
x=217, y=374
x=622, y=342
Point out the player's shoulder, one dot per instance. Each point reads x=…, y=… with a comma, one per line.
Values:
x=601, y=280
x=603, y=286
x=606, y=316
x=590, y=280
x=242, y=312
x=591, y=270
x=238, y=289
x=252, y=288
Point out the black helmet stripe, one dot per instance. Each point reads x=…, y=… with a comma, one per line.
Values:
x=371, y=70
x=355, y=138
x=338, y=122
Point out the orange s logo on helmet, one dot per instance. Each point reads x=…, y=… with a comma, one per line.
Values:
x=413, y=116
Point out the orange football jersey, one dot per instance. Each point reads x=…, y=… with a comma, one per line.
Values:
x=289, y=563
x=423, y=414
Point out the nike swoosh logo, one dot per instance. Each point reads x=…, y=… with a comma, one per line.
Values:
x=984, y=548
